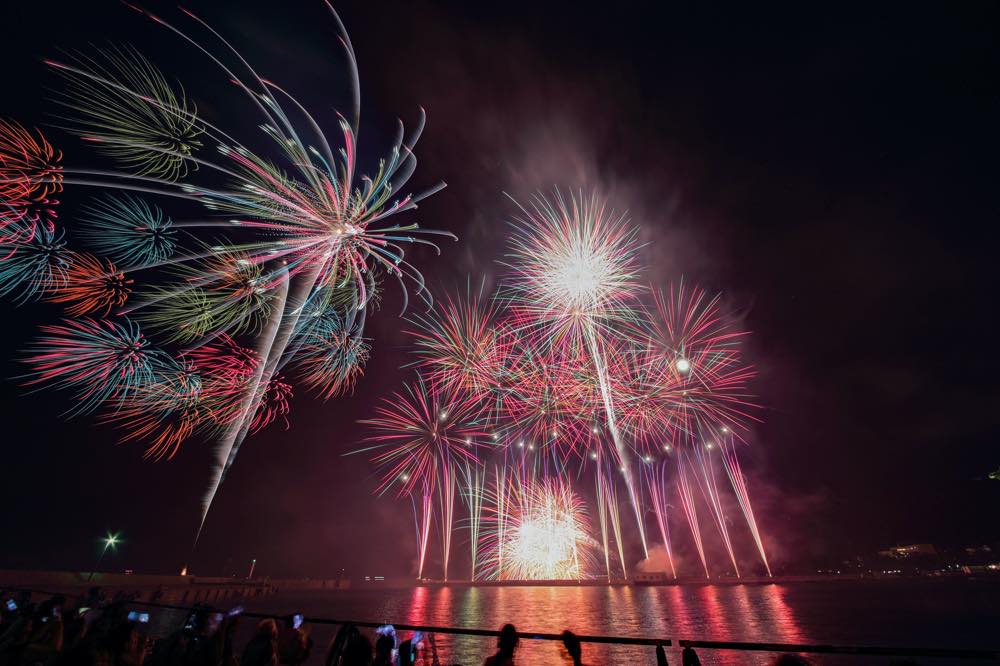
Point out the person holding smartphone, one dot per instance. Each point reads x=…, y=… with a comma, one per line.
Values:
x=294, y=643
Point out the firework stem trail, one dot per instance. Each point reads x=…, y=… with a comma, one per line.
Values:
x=228, y=442
x=735, y=473
x=710, y=489
x=475, y=479
x=691, y=512
x=446, y=500
x=602, y=514
x=425, y=530
x=273, y=342
x=623, y=457
x=658, y=494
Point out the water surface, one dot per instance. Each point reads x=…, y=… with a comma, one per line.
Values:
x=923, y=613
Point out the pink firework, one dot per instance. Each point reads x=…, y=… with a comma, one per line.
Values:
x=424, y=437
x=461, y=345
x=421, y=432
x=273, y=405
x=692, y=368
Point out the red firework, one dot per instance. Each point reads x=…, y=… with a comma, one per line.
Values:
x=226, y=370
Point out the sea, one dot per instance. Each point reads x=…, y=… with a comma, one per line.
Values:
x=931, y=613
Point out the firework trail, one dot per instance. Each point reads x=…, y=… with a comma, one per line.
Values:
x=709, y=488
x=474, y=494
x=607, y=507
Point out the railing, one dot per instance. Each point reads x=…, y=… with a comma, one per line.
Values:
x=741, y=646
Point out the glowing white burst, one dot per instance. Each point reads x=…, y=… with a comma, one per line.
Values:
x=547, y=538
x=573, y=260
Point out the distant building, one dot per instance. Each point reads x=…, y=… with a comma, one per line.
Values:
x=912, y=550
x=649, y=577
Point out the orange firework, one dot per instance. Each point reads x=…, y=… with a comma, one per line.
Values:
x=30, y=176
x=91, y=285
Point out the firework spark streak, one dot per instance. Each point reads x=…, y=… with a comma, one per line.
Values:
x=735, y=472
x=691, y=512
x=474, y=494
x=710, y=489
x=656, y=477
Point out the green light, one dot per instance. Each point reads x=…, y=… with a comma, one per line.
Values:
x=111, y=540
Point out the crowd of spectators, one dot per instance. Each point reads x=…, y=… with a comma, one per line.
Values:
x=93, y=630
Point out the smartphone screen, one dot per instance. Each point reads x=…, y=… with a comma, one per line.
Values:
x=144, y=617
x=296, y=621
x=11, y=605
x=133, y=616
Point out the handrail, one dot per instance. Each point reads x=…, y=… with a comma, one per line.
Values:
x=868, y=650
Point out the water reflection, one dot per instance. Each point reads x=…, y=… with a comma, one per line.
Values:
x=713, y=612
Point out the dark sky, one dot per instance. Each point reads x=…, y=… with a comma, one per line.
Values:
x=832, y=172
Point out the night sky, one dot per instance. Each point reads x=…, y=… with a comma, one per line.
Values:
x=833, y=174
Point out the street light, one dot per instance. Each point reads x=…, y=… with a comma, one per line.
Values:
x=110, y=541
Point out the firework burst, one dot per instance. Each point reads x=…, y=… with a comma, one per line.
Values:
x=329, y=358
x=579, y=372
x=90, y=286
x=130, y=230
x=293, y=230
x=122, y=103
x=34, y=265
x=544, y=534
x=100, y=361
x=30, y=177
